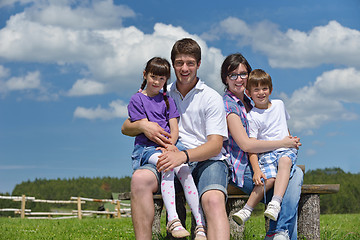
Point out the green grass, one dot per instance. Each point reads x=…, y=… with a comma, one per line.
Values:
x=339, y=226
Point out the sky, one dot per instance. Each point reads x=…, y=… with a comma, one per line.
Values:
x=68, y=69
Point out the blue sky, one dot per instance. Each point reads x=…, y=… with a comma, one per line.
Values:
x=68, y=69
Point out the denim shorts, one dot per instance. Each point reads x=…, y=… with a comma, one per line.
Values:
x=210, y=175
x=141, y=154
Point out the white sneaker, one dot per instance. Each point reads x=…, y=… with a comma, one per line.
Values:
x=282, y=236
x=278, y=236
x=241, y=216
x=272, y=210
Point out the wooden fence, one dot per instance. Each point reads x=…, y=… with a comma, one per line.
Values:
x=78, y=213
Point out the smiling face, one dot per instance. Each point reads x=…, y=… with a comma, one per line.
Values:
x=154, y=84
x=185, y=67
x=260, y=95
x=237, y=86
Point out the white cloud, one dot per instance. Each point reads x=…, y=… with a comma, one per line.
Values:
x=329, y=44
x=116, y=109
x=323, y=101
x=102, y=14
x=113, y=56
x=85, y=87
x=310, y=152
x=30, y=81
x=4, y=72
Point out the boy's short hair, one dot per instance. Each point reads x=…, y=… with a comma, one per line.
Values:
x=186, y=46
x=259, y=77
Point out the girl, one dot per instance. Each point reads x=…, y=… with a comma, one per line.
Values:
x=150, y=104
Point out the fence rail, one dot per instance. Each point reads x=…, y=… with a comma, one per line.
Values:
x=78, y=213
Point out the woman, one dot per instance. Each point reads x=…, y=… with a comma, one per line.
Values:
x=234, y=74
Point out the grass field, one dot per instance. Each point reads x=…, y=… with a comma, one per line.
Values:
x=332, y=227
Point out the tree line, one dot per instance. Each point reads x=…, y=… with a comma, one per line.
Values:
x=63, y=189
x=345, y=201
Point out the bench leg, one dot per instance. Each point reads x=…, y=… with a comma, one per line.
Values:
x=232, y=206
x=309, y=217
x=156, y=227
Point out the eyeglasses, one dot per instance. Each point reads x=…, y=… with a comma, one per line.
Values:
x=234, y=76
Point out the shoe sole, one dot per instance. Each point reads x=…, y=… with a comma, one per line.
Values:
x=268, y=215
x=237, y=219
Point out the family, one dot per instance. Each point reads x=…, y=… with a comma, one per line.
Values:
x=207, y=141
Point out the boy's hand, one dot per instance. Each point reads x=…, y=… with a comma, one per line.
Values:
x=257, y=177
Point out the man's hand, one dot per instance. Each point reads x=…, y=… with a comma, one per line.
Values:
x=155, y=133
x=169, y=160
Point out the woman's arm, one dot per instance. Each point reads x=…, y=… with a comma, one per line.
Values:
x=253, y=145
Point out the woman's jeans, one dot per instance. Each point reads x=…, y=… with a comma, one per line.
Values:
x=287, y=220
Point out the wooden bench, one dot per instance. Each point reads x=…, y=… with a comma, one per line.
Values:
x=308, y=210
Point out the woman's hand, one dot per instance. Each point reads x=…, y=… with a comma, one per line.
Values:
x=291, y=142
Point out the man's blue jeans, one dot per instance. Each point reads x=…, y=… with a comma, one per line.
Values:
x=287, y=220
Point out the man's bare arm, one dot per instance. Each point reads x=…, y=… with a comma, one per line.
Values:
x=169, y=160
x=151, y=130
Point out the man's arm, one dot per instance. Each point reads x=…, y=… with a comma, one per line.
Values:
x=151, y=130
x=211, y=148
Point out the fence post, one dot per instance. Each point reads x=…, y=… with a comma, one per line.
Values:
x=118, y=209
x=23, y=200
x=79, y=208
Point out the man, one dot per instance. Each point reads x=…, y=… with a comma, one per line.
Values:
x=202, y=129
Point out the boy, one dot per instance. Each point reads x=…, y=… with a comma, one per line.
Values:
x=267, y=121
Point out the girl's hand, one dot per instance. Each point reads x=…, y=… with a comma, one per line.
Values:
x=162, y=149
x=171, y=147
x=257, y=178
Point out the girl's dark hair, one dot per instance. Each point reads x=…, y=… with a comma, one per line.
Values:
x=161, y=67
x=232, y=62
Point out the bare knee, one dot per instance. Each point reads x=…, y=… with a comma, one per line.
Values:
x=270, y=182
x=143, y=181
x=285, y=162
x=213, y=200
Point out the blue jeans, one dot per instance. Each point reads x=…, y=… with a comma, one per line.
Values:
x=287, y=220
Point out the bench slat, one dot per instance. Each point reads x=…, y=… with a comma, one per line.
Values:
x=320, y=188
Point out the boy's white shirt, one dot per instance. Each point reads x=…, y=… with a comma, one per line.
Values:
x=270, y=123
